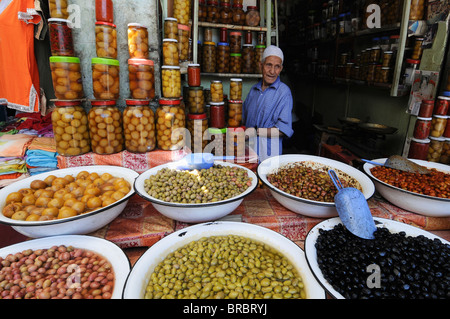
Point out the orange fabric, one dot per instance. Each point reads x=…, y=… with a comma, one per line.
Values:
x=19, y=75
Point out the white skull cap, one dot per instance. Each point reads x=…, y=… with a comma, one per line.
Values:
x=273, y=50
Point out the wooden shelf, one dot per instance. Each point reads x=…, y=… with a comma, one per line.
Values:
x=234, y=75
x=231, y=26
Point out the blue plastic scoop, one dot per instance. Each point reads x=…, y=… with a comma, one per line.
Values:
x=353, y=209
x=199, y=161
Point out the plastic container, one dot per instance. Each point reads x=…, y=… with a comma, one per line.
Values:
x=217, y=114
x=209, y=57
x=105, y=78
x=61, y=41
x=171, y=81
x=70, y=128
x=197, y=124
x=137, y=41
x=442, y=105
x=66, y=77
x=223, y=57
x=234, y=113
x=104, y=11
x=194, y=78
x=141, y=75
x=418, y=149
x=196, y=100
x=170, y=125
x=226, y=14
x=235, y=42
x=182, y=11
x=422, y=127
x=58, y=9
x=426, y=108
x=235, y=63
x=106, y=40
x=105, y=126
x=139, y=126
x=212, y=12
x=235, y=89
x=438, y=125
x=248, y=57
x=238, y=14
x=170, y=52
x=252, y=17
x=170, y=28
x=435, y=149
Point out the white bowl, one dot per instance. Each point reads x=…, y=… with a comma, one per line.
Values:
x=413, y=202
x=194, y=213
x=143, y=268
x=105, y=248
x=305, y=206
x=311, y=238
x=77, y=225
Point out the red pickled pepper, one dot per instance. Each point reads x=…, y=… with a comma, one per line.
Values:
x=104, y=11
x=61, y=42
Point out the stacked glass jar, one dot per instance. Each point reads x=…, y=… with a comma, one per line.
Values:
x=235, y=140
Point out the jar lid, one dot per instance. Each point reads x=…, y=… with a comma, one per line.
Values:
x=217, y=103
x=105, y=23
x=446, y=93
x=440, y=116
x=209, y=43
x=235, y=80
x=170, y=19
x=169, y=101
x=235, y=33
x=68, y=59
x=195, y=88
x=237, y=128
x=439, y=139
x=424, y=118
x=260, y=46
x=201, y=116
x=67, y=103
x=136, y=25
x=223, y=43
x=103, y=102
x=395, y=36
x=385, y=68
x=226, y=4
x=105, y=61
x=388, y=52
x=183, y=27
x=235, y=54
x=216, y=81
x=237, y=5
x=412, y=61
x=194, y=65
x=136, y=61
x=170, y=40
x=69, y=23
x=172, y=67
x=247, y=45
x=428, y=101
x=444, y=97
x=137, y=102
x=252, y=7
x=424, y=141
x=214, y=130
x=212, y=2
x=235, y=101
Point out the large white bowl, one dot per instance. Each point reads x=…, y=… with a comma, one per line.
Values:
x=77, y=225
x=105, y=248
x=313, y=234
x=140, y=273
x=305, y=206
x=194, y=213
x=413, y=202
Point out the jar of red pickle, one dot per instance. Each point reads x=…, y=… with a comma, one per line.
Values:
x=194, y=74
x=422, y=128
x=217, y=114
x=442, y=105
x=248, y=37
x=61, y=42
x=426, y=108
x=104, y=11
x=418, y=149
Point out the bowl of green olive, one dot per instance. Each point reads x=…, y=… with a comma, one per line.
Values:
x=195, y=196
x=223, y=260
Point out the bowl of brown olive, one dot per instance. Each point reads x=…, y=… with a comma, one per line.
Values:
x=195, y=196
x=69, y=201
x=301, y=183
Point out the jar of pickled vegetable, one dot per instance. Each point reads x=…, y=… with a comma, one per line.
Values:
x=235, y=63
x=234, y=113
x=141, y=75
x=170, y=28
x=66, y=77
x=445, y=155
x=435, y=149
x=197, y=125
x=137, y=41
x=248, y=57
x=183, y=42
x=182, y=11
x=252, y=17
x=104, y=11
x=387, y=58
x=417, y=10
x=238, y=14
x=105, y=127
x=426, y=108
x=170, y=52
x=217, y=114
x=171, y=81
x=213, y=12
x=375, y=54
x=385, y=75
x=105, y=78
x=418, y=149
x=209, y=57
x=226, y=15
x=235, y=89
x=61, y=41
x=248, y=37
x=216, y=91
x=223, y=57
x=235, y=142
x=447, y=130
x=196, y=100
x=106, y=40
x=235, y=42
x=438, y=124
x=223, y=35
x=422, y=128
x=194, y=78
x=417, y=50
x=442, y=105
x=70, y=128
x=58, y=9
x=139, y=126
x=202, y=11
x=170, y=125
x=259, y=50
x=261, y=38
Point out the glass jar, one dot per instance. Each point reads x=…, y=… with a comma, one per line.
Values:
x=248, y=38
x=438, y=124
x=170, y=52
x=442, y=105
x=375, y=54
x=235, y=42
x=417, y=10
x=371, y=72
x=426, y=108
x=417, y=50
x=445, y=155
x=209, y=57
x=199, y=51
x=104, y=11
x=171, y=81
x=183, y=42
x=261, y=38
x=394, y=42
x=385, y=75
x=252, y=17
x=106, y=40
x=61, y=41
x=170, y=28
x=182, y=11
x=137, y=41
x=216, y=90
x=66, y=77
x=70, y=128
x=217, y=114
x=194, y=78
x=235, y=63
x=435, y=149
x=234, y=113
x=410, y=69
x=223, y=35
x=238, y=14
x=422, y=127
x=218, y=140
x=235, y=142
x=197, y=124
x=259, y=50
x=235, y=89
x=139, y=126
x=208, y=34
x=105, y=127
x=196, y=100
x=248, y=57
x=202, y=11
x=58, y=9
x=226, y=15
x=170, y=125
x=105, y=78
x=418, y=149
x=387, y=58
x=223, y=57
x=213, y=12
x=141, y=76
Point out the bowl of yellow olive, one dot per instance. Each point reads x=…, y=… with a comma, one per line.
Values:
x=69, y=201
x=196, y=196
x=223, y=260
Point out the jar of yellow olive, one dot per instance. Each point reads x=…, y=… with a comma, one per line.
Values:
x=235, y=89
x=105, y=40
x=141, y=75
x=70, y=128
x=170, y=125
x=234, y=113
x=105, y=78
x=196, y=100
x=223, y=57
x=171, y=81
x=209, y=57
x=216, y=89
x=66, y=77
x=248, y=57
x=170, y=28
x=170, y=52
x=235, y=63
x=139, y=126
x=182, y=11
x=137, y=41
x=183, y=42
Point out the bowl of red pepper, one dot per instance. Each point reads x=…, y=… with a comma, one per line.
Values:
x=424, y=194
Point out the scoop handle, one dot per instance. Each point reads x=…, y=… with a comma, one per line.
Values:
x=371, y=162
x=335, y=179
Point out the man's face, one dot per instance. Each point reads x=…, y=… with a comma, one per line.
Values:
x=271, y=69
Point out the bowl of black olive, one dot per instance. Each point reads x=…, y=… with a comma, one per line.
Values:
x=402, y=262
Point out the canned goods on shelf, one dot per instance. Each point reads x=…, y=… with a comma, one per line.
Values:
x=216, y=91
x=196, y=100
x=170, y=52
x=170, y=124
x=234, y=113
x=442, y=105
x=194, y=78
x=236, y=63
x=426, y=108
x=435, y=149
x=418, y=149
x=183, y=42
x=217, y=114
x=209, y=57
x=438, y=124
x=235, y=89
x=182, y=11
x=422, y=127
x=223, y=57
x=171, y=81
